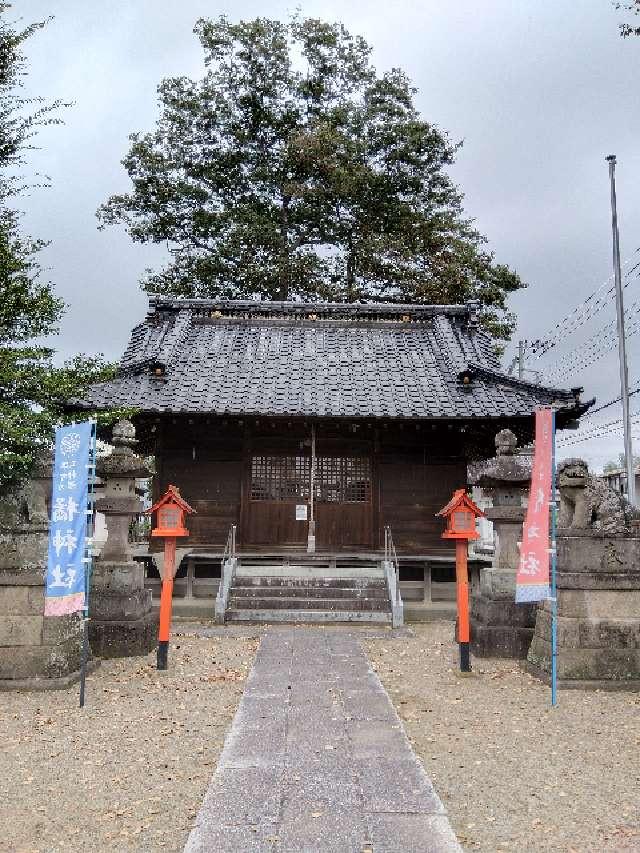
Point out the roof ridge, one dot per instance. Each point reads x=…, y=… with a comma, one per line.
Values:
x=159, y=302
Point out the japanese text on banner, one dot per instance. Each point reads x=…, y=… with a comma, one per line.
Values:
x=532, y=581
x=65, y=590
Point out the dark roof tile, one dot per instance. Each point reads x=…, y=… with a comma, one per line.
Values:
x=356, y=361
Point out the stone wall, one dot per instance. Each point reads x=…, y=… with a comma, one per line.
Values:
x=36, y=651
x=598, y=596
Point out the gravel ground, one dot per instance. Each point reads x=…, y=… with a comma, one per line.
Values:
x=127, y=773
x=515, y=774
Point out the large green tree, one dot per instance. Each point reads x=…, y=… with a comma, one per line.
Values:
x=293, y=170
x=632, y=26
x=33, y=392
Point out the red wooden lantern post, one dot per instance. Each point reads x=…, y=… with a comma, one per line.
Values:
x=460, y=514
x=171, y=509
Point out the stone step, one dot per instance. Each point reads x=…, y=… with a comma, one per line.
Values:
x=332, y=604
x=306, y=591
x=308, y=616
x=310, y=571
x=287, y=582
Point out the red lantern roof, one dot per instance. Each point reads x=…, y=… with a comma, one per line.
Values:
x=461, y=514
x=460, y=498
x=172, y=495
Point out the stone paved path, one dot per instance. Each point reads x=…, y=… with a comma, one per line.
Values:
x=317, y=761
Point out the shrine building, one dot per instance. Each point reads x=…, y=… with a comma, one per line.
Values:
x=321, y=432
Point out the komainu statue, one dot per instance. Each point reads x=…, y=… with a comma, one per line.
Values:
x=588, y=503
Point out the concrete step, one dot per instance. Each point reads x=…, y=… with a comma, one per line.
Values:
x=286, y=582
x=306, y=591
x=308, y=616
x=330, y=604
x=309, y=571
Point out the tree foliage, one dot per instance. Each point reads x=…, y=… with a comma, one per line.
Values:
x=33, y=392
x=627, y=28
x=292, y=170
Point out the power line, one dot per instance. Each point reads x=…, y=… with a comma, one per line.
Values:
x=581, y=440
x=594, y=354
x=581, y=314
x=592, y=412
x=593, y=342
x=597, y=431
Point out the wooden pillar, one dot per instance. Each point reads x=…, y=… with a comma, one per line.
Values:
x=311, y=536
x=376, y=521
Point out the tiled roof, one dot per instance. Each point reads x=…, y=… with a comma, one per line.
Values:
x=288, y=359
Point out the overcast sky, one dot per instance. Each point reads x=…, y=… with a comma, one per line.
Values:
x=540, y=92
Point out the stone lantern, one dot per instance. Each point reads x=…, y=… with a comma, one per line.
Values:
x=122, y=622
x=499, y=626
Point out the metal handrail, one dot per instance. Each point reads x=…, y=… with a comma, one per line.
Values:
x=391, y=556
x=227, y=569
x=229, y=552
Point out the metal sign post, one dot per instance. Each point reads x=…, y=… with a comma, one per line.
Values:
x=88, y=559
x=69, y=556
x=538, y=546
x=554, y=560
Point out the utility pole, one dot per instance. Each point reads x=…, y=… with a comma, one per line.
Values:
x=622, y=348
x=520, y=359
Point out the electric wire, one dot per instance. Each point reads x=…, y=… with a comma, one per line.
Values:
x=591, y=438
x=581, y=314
x=592, y=412
x=604, y=339
x=598, y=430
x=598, y=306
x=608, y=344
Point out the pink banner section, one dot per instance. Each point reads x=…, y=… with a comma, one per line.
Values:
x=532, y=581
x=60, y=605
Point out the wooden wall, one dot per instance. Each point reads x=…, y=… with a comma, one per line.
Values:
x=414, y=473
x=205, y=461
x=414, y=485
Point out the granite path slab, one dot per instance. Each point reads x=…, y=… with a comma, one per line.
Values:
x=317, y=760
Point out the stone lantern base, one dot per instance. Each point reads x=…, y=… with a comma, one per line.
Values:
x=500, y=628
x=598, y=614
x=122, y=622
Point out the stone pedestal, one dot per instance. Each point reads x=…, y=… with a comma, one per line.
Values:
x=598, y=590
x=36, y=651
x=122, y=620
x=499, y=626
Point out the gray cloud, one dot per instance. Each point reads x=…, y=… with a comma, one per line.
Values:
x=539, y=92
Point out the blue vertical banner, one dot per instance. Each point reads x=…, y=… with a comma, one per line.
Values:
x=66, y=572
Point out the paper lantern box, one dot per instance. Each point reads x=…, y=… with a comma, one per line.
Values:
x=171, y=510
x=460, y=514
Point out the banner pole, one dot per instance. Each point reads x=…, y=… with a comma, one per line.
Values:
x=554, y=594
x=88, y=560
